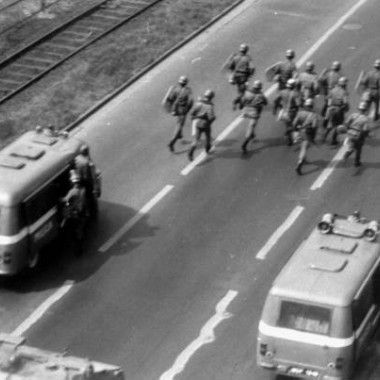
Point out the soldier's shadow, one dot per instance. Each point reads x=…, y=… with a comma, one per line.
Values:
x=59, y=262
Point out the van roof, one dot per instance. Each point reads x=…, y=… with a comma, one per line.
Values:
x=328, y=268
x=31, y=160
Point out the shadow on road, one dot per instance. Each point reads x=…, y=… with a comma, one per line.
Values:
x=59, y=263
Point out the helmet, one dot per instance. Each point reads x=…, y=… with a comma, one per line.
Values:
x=342, y=81
x=290, y=53
x=74, y=177
x=183, y=80
x=209, y=94
x=84, y=149
x=257, y=85
x=290, y=83
x=362, y=106
x=336, y=65
x=309, y=66
x=377, y=63
x=243, y=48
x=309, y=103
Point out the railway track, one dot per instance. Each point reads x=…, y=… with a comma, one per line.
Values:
x=35, y=60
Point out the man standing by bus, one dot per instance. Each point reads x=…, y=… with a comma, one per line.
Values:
x=75, y=210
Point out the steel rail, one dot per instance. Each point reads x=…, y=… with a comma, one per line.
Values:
x=32, y=62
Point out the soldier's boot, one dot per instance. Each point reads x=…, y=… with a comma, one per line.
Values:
x=299, y=167
x=191, y=153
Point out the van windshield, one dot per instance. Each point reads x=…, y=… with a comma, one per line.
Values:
x=303, y=317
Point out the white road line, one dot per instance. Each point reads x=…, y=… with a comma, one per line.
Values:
x=206, y=335
x=327, y=172
x=261, y=255
x=271, y=89
x=131, y=222
x=41, y=310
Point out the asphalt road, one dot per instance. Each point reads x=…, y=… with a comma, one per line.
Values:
x=141, y=298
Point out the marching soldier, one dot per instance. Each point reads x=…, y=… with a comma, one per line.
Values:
x=203, y=115
x=288, y=101
x=178, y=101
x=327, y=81
x=283, y=71
x=253, y=102
x=306, y=124
x=307, y=82
x=241, y=67
x=337, y=106
x=371, y=88
x=357, y=126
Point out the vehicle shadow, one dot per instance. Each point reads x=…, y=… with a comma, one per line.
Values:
x=59, y=263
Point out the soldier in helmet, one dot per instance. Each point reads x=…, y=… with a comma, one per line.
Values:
x=253, y=102
x=241, y=67
x=288, y=101
x=179, y=101
x=86, y=171
x=327, y=81
x=75, y=210
x=285, y=70
x=307, y=81
x=357, y=125
x=203, y=115
x=305, y=124
x=337, y=106
x=371, y=85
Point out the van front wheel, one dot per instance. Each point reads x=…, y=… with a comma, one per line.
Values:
x=33, y=259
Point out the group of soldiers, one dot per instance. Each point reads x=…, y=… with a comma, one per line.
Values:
x=293, y=104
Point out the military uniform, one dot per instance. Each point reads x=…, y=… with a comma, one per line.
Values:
x=337, y=106
x=357, y=130
x=181, y=101
x=308, y=85
x=253, y=102
x=75, y=212
x=371, y=94
x=305, y=124
x=203, y=115
x=327, y=82
x=283, y=72
x=242, y=69
x=289, y=101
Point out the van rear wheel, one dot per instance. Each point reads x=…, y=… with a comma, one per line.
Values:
x=33, y=259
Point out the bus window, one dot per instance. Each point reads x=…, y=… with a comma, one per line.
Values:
x=362, y=304
x=302, y=317
x=41, y=203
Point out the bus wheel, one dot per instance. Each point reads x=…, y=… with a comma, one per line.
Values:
x=33, y=259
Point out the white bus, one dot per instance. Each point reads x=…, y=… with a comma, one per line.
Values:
x=323, y=308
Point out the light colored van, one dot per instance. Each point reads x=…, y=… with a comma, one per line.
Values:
x=323, y=308
x=34, y=176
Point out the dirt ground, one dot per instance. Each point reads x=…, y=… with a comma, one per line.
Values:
x=81, y=82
